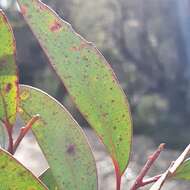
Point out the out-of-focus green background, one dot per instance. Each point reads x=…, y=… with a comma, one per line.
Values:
x=147, y=43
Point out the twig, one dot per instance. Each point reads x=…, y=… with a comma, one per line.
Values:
x=150, y=180
x=24, y=130
x=139, y=180
x=9, y=130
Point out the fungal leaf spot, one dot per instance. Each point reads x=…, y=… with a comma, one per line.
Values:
x=55, y=26
x=71, y=149
x=8, y=87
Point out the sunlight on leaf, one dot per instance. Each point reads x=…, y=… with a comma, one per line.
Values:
x=88, y=78
x=62, y=141
x=8, y=73
x=13, y=175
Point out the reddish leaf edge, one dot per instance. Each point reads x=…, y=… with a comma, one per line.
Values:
x=80, y=129
x=20, y=164
x=118, y=173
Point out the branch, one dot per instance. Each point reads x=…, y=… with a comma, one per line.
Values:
x=151, y=180
x=9, y=129
x=139, y=180
x=24, y=130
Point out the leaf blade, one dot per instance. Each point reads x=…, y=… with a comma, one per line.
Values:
x=88, y=78
x=61, y=140
x=48, y=178
x=14, y=175
x=183, y=172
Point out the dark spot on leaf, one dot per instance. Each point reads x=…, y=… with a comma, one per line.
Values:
x=54, y=113
x=85, y=58
x=8, y=87
x=71, y=149
x=3, y=167
x=21, y=173
x=78, y=48
x=104, y=114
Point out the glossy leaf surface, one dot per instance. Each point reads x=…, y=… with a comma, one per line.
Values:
x=14, y=176
x=8, y=73
x=62, y=141
x=88, y=78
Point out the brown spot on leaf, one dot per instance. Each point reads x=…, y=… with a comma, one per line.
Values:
x=105, y=114
x=71, y=149
x=56, y=26
x=8, y=87
x=78, y=48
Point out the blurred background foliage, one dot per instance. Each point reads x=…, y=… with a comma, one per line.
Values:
x=146, y=42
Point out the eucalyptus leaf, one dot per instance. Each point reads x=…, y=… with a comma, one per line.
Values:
x=14, y=176
x=63, y=143
x=88, y=78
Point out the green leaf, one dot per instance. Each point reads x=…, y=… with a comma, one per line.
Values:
x=48, y=178
x=15, y=176
x=61, y=139
x=88, y=78
x=8, y=73
x=183, y=172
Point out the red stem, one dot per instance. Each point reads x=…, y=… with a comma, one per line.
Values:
x=139, y=180
x=9, y=129
x=117, y=175
x=10, y=147
x=23, y=132
x=150, y=180
x=118, y=182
